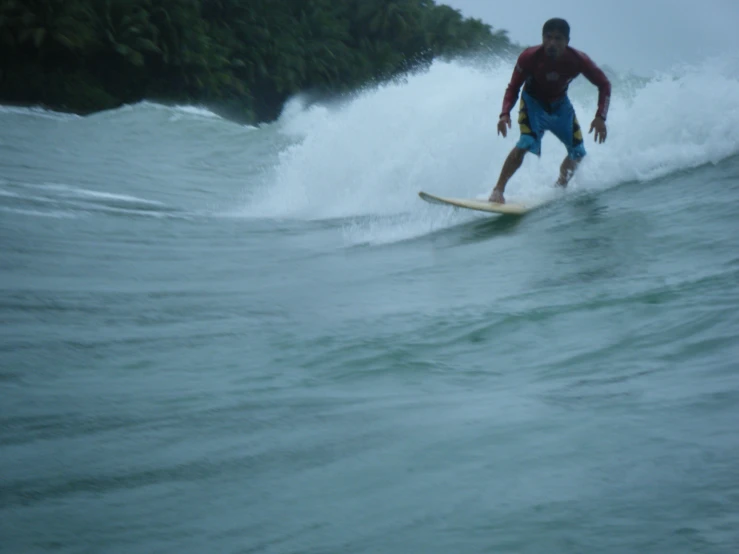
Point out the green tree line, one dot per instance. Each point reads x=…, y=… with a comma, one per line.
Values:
x=246, y=57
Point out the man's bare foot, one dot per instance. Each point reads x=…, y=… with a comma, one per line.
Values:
x=496, y=197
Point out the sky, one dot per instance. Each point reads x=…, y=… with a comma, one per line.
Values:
x=642, y=36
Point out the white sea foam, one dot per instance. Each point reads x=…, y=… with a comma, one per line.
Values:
x=437, y=132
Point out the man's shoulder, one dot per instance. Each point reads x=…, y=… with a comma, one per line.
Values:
x=578, y=56
x=527, y=57
x=530, y=52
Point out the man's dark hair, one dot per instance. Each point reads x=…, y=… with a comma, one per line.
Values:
x=557, y=24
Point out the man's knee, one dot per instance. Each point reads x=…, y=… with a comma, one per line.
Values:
x=518, y=153
x=529, y=143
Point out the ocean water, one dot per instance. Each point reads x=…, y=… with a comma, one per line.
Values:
x=234, y=339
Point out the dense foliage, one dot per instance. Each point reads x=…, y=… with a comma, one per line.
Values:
x=245, y=57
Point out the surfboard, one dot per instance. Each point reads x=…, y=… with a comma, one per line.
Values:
x=479, y=205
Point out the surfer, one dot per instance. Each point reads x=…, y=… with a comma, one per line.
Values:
x=546, y=72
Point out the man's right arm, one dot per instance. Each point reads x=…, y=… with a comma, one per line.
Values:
x=520, y=72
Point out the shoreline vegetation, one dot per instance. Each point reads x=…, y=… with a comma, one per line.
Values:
x=240, y=58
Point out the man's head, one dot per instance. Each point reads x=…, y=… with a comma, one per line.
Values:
x=555, y=37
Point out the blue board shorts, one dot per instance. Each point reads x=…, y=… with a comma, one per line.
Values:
x=535, y=119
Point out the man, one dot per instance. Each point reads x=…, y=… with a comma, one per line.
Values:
x=547, y=71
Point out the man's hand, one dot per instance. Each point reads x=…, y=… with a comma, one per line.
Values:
x=599, y=125
x=502, y=122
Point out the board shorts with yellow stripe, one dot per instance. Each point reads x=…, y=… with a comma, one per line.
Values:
x=535, y=119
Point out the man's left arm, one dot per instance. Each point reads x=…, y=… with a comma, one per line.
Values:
x=595, y=75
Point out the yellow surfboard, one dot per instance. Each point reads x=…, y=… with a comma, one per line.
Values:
x=479, y=205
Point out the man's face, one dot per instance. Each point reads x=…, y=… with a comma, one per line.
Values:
x=554, y=43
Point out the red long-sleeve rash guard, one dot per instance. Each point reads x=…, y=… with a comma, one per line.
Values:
x=547, y=79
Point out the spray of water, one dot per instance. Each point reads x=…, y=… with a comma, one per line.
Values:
x=437, y=132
